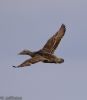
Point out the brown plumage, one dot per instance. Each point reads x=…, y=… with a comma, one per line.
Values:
x=46, y=54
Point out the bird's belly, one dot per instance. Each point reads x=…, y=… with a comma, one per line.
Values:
x=49, y=61
x=49, y=58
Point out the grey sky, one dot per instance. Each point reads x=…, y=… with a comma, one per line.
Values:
x=27, y=24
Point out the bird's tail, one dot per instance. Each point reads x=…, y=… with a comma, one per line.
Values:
x=26, y=52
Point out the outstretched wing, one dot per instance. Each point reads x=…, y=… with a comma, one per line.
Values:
x=53, y=42
x=30, y=61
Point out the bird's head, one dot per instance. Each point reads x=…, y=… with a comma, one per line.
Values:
x=24, y=52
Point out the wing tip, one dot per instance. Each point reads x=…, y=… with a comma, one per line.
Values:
x=15, y=66
x=63, y=26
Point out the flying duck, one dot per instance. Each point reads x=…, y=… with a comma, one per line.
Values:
x=46, y=54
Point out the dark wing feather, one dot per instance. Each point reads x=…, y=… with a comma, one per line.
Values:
x=30, y=61
x=53, y=42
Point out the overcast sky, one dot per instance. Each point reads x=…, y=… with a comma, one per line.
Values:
x=28, y=24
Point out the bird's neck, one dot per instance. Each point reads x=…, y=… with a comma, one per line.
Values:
x=29, y=53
